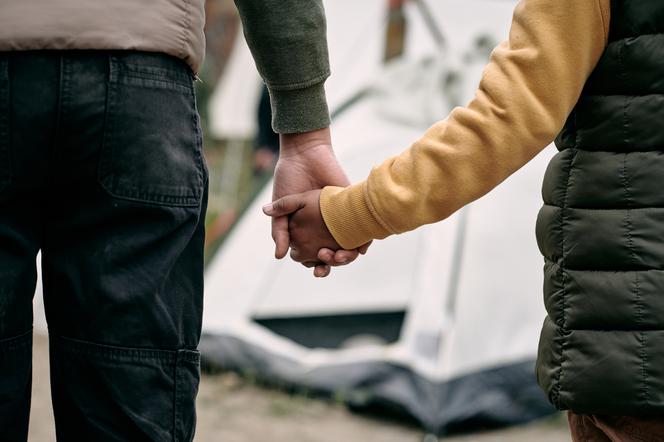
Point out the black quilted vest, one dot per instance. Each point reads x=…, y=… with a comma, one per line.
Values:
x=601, y=230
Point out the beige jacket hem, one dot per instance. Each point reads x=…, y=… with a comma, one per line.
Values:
x=174, y=27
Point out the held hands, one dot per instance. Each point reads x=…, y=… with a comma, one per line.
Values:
x=307, y=163
x=308, y=233
x=311, y=241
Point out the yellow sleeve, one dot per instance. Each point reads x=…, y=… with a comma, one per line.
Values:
x=527, y=91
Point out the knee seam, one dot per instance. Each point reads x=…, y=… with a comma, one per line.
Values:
x=15, y=342
x=119, y=353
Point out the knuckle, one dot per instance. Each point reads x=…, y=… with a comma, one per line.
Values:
x=295, y=255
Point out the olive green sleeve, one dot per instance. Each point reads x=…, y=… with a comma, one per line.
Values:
x=288, y=41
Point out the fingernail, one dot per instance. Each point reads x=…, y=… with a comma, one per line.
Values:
x=267, y=209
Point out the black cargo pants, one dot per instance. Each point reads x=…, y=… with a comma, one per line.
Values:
x=101, y=169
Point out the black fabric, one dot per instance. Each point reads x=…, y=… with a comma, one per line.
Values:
x=601, y=230
x=266, y=137
x=101, y=169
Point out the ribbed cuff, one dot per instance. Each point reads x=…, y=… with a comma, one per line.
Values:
x=348, y=216
x=299, y=110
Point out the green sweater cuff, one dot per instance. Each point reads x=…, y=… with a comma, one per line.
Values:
x=299, y=110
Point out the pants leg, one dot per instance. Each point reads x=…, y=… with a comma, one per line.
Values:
x=592, y=428
x=583, y=429
x=122, y=253
x=22, y=178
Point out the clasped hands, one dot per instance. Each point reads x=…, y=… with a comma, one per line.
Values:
x=306, y=165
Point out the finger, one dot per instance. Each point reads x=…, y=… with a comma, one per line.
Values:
x=342, y=257
x=364, y=248
x=338, y=258
x=304, y=255
x=326, y=256
x=310, y=264
x=321, y=271
x=280, y=236
x=284, y=206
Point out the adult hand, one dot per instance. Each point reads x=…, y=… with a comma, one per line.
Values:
x=306, y=162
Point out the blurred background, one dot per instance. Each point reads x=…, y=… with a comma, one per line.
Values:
x=434, y=333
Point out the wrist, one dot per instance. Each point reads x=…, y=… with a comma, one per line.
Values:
x=348, y=216
x=294, y=144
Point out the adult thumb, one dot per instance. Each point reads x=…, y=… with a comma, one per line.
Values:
x=284, y=206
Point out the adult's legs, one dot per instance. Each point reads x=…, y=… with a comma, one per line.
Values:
x=122, y=253
x=27, y=123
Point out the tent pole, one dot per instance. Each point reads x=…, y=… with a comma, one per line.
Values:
x=431, y=24
x=457, y=264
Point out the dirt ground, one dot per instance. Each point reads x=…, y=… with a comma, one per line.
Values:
x=231, y=409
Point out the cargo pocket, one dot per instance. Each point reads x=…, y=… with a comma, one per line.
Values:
x=127, y=393
x=152, y=150
x=5, y=157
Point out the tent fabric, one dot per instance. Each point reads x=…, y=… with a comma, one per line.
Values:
x=494, y=397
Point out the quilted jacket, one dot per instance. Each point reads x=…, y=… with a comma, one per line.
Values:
x=601, y=230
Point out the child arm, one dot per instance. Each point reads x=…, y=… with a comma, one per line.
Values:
x=528, y=89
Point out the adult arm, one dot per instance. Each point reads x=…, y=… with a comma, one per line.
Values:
x=287, y=39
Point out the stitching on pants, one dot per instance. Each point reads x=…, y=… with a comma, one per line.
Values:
x=16, y=342
x=74, y=346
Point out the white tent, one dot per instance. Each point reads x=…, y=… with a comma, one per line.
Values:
x=441, y=323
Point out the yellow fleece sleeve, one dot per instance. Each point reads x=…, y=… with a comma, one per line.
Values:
x=527, y=91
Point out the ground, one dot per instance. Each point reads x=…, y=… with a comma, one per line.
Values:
x=231, y=409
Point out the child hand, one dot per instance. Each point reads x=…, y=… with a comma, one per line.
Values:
x=308, y=232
